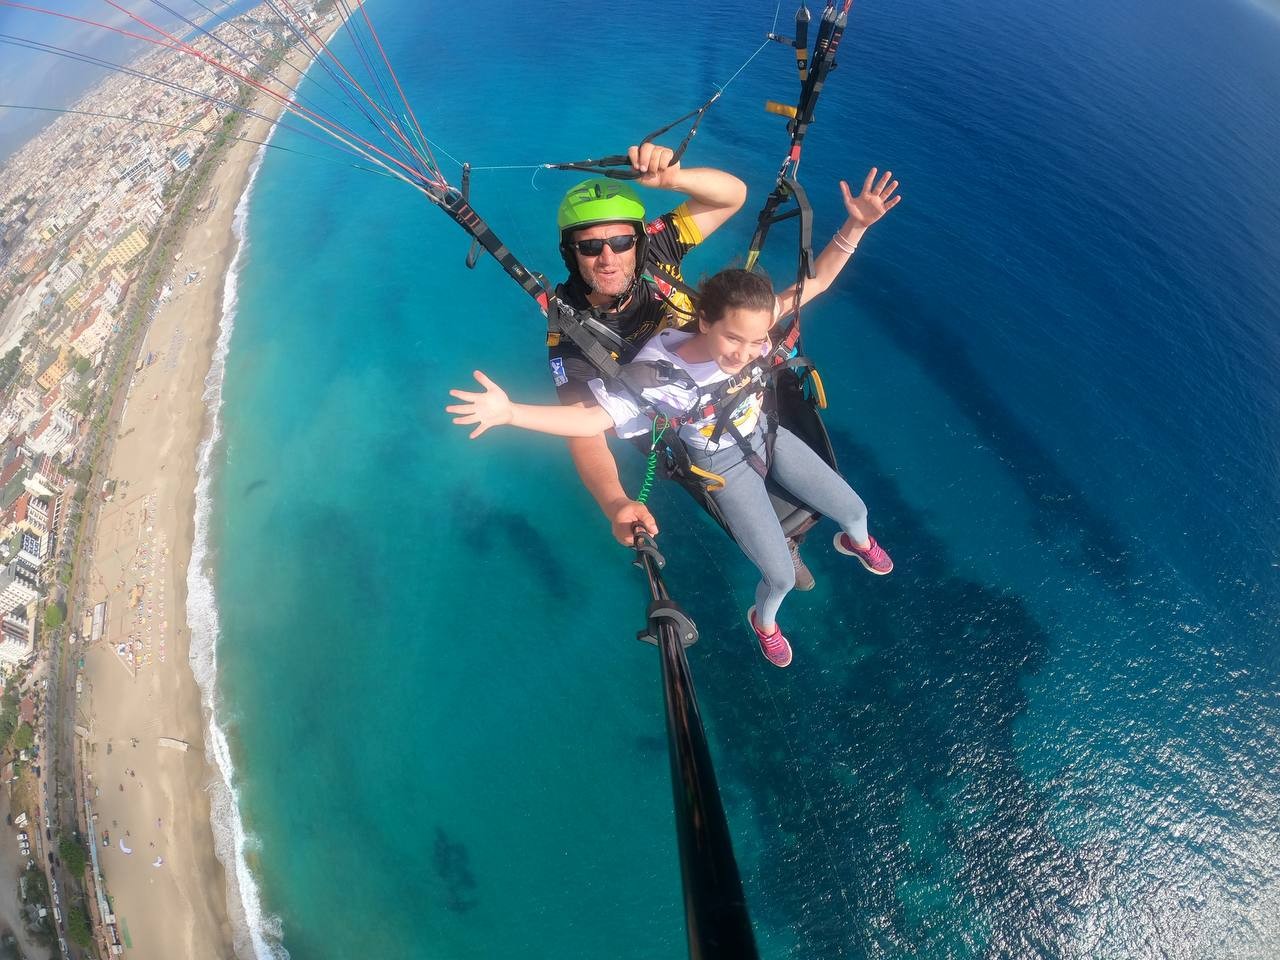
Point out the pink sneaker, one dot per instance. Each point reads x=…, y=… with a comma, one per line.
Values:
x=873, y=557
x=774, y=645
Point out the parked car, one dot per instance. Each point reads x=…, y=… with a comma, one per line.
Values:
x=23, y=836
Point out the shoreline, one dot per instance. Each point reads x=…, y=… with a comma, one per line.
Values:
x=250, y=928
x=174, y=868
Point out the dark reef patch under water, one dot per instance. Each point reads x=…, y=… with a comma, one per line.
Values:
x=1065, y=522
x=453, y=868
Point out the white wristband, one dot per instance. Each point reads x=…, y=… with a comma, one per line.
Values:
x=843, y=243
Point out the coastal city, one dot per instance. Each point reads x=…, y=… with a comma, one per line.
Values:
x=316, y=643
x=115, y=233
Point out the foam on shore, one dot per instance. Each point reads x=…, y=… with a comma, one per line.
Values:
x=255, y=933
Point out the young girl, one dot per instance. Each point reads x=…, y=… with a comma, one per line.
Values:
x=736, y=311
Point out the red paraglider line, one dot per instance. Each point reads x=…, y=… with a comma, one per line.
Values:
x=215, y=62
x=431, y=164
x=405, y=100
x=339, y=132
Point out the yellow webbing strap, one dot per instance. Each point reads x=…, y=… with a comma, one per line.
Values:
x=819, y=392
x=714, y=480
x=781, y=109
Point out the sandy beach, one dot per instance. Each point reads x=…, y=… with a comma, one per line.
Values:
x=141, y=703
x=150, y=798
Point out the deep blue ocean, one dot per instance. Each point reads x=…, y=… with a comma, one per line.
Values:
x=1052, y=374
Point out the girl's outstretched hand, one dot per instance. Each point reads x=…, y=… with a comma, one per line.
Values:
x=492, y=408
x=875, y=200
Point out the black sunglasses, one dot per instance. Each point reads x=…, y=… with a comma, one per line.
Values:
x=595, y=247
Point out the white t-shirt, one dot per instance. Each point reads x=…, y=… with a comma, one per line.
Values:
x=675, y=401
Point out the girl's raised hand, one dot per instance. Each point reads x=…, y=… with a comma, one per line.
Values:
x=876, y=199
x=492, y=408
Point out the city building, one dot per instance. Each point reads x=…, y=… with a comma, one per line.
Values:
x=31, y=552
x=136, y=172
x=37, y=517
x=18, y=585
x=55, y=371
x=17, y=638
x=54, y=431
x=126, y=248
x=67, y=277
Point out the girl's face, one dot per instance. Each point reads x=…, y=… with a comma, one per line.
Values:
x=740, y=336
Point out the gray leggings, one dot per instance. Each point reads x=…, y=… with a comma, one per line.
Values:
x=744, y=503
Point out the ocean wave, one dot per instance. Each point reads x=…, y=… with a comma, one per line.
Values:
x=255, y=933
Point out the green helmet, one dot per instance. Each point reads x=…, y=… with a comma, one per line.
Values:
x=599, y=200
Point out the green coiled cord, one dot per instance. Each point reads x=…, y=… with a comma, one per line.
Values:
x=651, y=468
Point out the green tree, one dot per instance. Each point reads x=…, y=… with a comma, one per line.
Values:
x=83, y=400
x=73, y=854
x=37, y=886
x=83, y=365
x=8, y=713
x=78, y=927
x=53, y=616
x=24, y=737
x=10, y=365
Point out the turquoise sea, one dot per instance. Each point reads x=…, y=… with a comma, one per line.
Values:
x=1052, y=732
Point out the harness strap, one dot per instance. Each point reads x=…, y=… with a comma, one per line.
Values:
x=572, y=323
x=659, y=273
x=639, y=375
x=591, y=320
x=473, y=251
x=460, y=210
